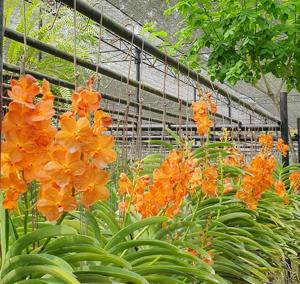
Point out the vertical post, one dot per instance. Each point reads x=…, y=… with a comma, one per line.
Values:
x=1, y=64
x=137, y=62
x=298, y=134
x=229, y=108
x=195, y=94
x=284, y=124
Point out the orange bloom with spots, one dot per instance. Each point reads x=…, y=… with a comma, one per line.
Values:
x=24, y=91
x=125, y=184
x=101, y=121
x=259, y=180
x=62, y=162
x=86, y=100
x=235, y=158
x=209, y=184
x=280, y=188
x=92, y=186
x=282, y=147
x=206, y=178
x=266, y=141
x=170, y=185
x=122, y=206
x=201, y=110
x=13, y=185
x=295, y=180
x=209, y=258
x=64, y=166
x=228, y=186
x=54, y=201
x=75, y=135
x=103, y=152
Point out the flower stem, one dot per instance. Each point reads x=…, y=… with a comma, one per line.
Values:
x=4, y=221
x=199, y=199
x=26, y=213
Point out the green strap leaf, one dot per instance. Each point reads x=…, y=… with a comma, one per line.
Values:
x=46, y=232
x=146, y=242
x=22, y=272
x=105, y=258
x=115, y=272
x=29, y=259
x=120, y=236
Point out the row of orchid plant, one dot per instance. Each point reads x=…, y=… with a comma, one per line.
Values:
x=194, y=216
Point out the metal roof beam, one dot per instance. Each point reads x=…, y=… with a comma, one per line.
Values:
x=19, y=37
x=84, y=8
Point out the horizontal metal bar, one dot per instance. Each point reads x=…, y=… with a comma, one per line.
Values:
x=61, y=110
x=9, y=33
x=84, y=8
x=214, y=128
x=68, y=85
x=146, y=138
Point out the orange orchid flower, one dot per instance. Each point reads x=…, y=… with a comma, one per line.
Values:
x=101, y=121
x=201, y=110
x=204, y=125
x=125, y=185
x=280, y=188
x=295, y=180
x=47, y=94
x=209, y=258
x=75, y=135
x=86, y=100
x=266, y=141
x=282, y=147
x=209, y=183
x=6, y=165
x=122, y=206
x=103, y=152
x=33, y=168
x=64, y=166
x=43, y=111
x=18, y=145
x=43, y=134
x=11, y=199
x=92, y=186
x=16, y=118
x=228, y=187
x=54, y=201
x=24, y=90
x=13, y=186
x=260, y=179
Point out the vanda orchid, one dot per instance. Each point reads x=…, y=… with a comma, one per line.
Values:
x=204, y=214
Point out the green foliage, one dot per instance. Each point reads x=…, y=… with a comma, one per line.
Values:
x=56, y=30
x=243, y=39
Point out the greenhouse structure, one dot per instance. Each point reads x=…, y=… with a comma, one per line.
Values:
x=150, y=141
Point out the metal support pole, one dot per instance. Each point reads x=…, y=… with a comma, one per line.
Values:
x=284, y=124
x=137, y=62
x=1, y=64
x=229, y=107
x=298, y=138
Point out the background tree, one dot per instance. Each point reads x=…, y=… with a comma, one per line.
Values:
x=244, y=39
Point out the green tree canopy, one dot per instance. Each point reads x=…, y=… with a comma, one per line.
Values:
x=244, y=39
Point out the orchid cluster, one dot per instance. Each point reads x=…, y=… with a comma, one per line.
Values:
x=201, y=112
x=260, y=178
x=165, y=194
x=69, y=163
